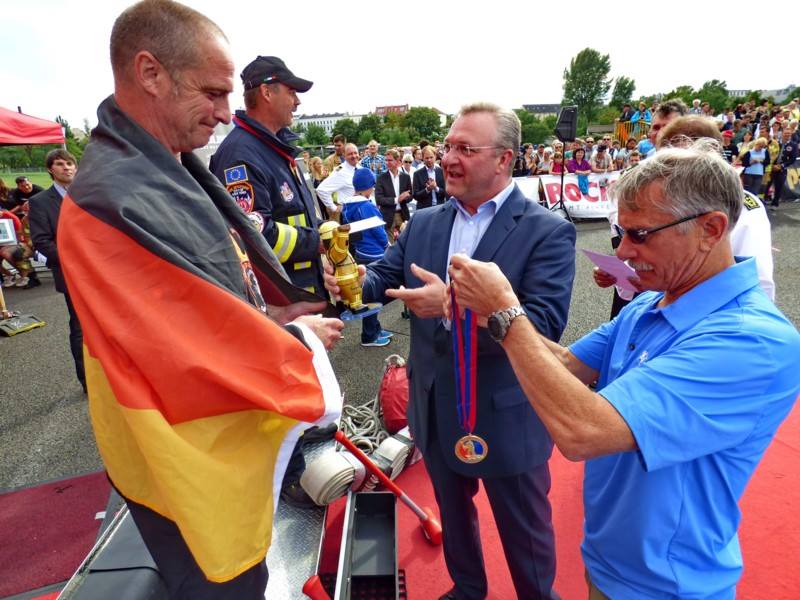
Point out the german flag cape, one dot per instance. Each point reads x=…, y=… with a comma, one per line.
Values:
x=196, y=396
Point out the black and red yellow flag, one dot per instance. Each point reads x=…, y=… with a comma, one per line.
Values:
x=196, y=396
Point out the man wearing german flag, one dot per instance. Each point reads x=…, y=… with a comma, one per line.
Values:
x=182, y=301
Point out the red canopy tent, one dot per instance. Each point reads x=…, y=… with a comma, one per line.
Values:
x=16, y=128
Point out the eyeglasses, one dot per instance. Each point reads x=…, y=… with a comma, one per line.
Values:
x=639, y=236
x=465, y=149
x=408, y=162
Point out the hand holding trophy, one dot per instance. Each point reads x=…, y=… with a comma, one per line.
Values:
x=336, y=241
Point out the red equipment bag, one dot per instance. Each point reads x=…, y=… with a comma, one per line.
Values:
x=393, y=394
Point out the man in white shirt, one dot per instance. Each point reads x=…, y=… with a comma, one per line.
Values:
x=337, y=188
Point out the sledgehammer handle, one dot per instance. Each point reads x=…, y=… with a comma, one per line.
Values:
x=372, y=468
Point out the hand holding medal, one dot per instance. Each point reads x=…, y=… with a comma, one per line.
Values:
x=470, y=448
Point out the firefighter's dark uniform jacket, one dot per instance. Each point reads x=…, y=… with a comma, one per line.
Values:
x=257, y=167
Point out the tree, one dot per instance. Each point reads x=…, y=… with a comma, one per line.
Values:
x=586, y=82
x=684, y=92
x=346, y=127
x=315, y=135
x=623, y=91
x=715, y=92
x=371, y=123
x=534, y=130
x=424, y=120
x=395, y=136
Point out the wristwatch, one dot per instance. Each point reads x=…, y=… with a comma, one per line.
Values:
x=499, y=322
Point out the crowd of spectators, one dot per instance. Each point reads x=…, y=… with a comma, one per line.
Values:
x=15, y=264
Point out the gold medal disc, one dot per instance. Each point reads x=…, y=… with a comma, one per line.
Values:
x=471, y=449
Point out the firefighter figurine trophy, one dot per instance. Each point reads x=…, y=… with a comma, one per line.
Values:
x=336, y=241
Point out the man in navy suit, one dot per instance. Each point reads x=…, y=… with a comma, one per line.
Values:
x=44, y=210
x=428, y=183
x=392, y=194
x=489, y=219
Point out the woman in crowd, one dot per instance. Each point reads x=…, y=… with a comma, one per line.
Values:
x=773, y=150
x=745, y=145
x=545, y=164
x=578, y=163
x=581, y=167
x=755, y=160
x=630, y=146
x=317, y=170
x=527, y=154
x=408, y=165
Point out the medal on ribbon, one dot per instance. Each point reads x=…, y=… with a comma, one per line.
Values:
x=470, y=448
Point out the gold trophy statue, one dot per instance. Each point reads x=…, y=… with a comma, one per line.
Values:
x=336, y=241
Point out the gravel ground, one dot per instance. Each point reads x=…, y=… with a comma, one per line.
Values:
x=44, y=426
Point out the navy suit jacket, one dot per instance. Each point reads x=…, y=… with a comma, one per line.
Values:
x=44, y=209
x=421, y=195
x=385, y=197
x=535, y=249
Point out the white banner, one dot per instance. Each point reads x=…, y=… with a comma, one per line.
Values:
x=529, y=186
x=594, y=204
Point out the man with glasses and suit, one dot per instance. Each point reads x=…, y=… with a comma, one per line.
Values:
x=692, y=380
x=503, y=444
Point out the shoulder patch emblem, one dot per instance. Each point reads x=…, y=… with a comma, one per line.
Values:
x=257, y=219
x=750, y=203
x=235, y=174
x=286, y=192
x=243, y=195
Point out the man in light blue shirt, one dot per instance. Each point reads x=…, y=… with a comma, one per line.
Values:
x=693, y=379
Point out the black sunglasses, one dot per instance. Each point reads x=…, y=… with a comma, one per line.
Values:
x=639, y=236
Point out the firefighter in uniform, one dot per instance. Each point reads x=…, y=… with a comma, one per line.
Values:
x=256, y=163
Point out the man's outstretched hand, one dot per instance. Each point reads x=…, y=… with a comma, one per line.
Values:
x=425, y=301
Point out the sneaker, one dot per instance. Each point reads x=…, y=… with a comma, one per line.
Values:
x=379, y=342
x=32, y=283
x=386, y=334
x=22, y=282
x=9, y=280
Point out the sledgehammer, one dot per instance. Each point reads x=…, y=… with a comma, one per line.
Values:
x=430, y=524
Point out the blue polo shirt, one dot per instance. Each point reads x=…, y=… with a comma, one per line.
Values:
x=703, y=385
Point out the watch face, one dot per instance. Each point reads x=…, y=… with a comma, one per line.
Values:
x=495, y=327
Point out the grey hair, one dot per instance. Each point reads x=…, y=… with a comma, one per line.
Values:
x=695, y=179
x=508, y=134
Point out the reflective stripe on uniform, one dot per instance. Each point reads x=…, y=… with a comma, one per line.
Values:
x=295, y=220
x=287, y=239
x=302, y=265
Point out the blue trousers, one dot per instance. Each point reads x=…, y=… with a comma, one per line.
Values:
x=524, y=520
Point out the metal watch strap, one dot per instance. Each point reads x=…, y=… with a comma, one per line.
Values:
x=506, y=317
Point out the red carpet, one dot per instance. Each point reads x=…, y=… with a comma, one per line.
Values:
x=48, y=530
x=769, y=534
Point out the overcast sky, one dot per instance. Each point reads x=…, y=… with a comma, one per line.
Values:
x=440, y=53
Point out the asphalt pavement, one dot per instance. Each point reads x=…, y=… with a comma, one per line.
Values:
x=45, y=431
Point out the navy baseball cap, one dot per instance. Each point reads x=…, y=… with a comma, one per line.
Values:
x=271, y=69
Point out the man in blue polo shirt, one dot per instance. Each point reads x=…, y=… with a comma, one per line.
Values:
x=693, y=379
